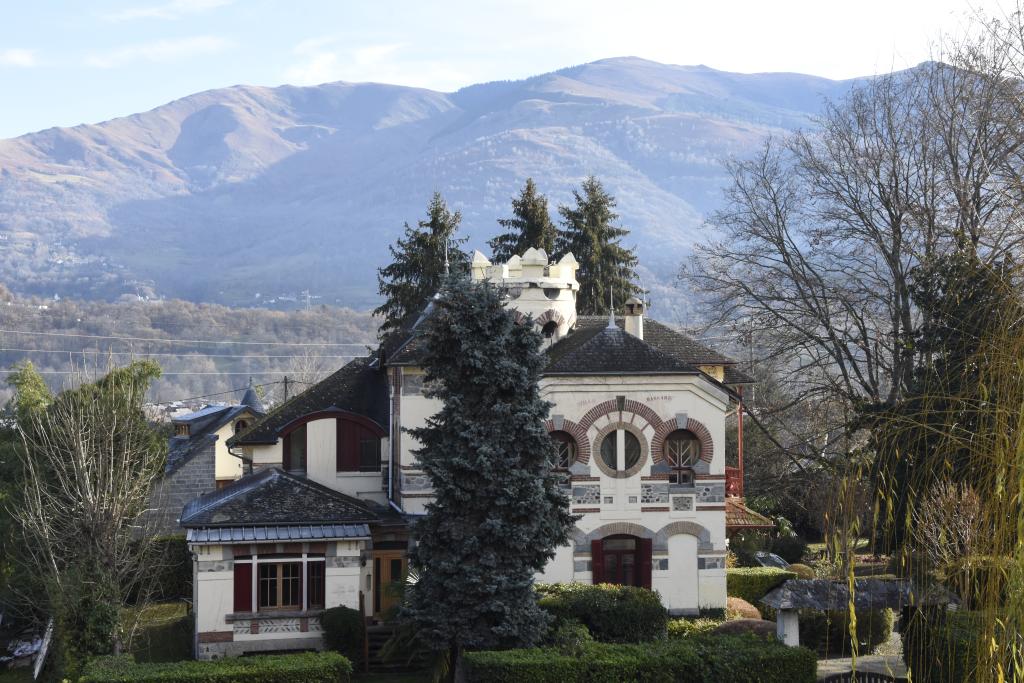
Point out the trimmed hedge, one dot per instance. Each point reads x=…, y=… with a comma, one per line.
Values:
x=738, y=608
x=318, y=667
x=753, y=583
x=684, y=628
x=828, y=633
x=612, y=614
x=742, y=659
x=802, y=571
x=343, y=632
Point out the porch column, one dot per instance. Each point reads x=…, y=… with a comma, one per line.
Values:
x=787, y=627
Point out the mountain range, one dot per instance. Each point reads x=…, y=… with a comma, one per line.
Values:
x=250, y=195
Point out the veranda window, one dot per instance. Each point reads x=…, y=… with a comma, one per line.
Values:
x=279, y=583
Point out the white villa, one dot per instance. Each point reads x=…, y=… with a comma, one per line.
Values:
x=321, y=517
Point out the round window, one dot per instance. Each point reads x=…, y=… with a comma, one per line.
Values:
x=624, y=442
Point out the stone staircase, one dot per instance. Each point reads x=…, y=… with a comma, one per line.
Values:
x=376, y=636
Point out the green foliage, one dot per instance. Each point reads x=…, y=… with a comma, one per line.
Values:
x=498, y=511
x=802, y=571
x=165, y=639
x=943, y=647
x=568, y=636
x=530, y=226
x=343, y=632
x=87, y=618
x=684, y=628
x=790, y=548
x=172, y=576
x=31, y=393
x=605, y=265
x=828, y=633
x=417, y=270
x=745, y=543
x=753, y=583
x=738, y=608
x=696, y=659
x=613, y=614
x=320, y=667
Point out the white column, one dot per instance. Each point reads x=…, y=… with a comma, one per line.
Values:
x=787, y=627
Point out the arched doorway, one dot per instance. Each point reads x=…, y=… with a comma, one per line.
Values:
x=622, y=560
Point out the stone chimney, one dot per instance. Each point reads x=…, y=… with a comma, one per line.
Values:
x=634, y=317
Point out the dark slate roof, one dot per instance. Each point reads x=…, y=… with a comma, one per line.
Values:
x=272, y=497
x=739, y=516
x=249, y=398
x=202, y=425
x=610, y=351
x=406, y=345
x=824, y=594
x=358, y=387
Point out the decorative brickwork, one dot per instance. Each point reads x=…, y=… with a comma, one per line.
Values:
x=549, y=315
x=707, y=446
x=609, y=432
x=559, y=424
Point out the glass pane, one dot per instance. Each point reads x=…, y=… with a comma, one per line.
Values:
x=632, y=450
x=565, y=450
x=315, y=571
x=297, y=459
x=682, y=448
x=369, y=455
x=291, y=580
x=267, y=585
x=620, y=544
x=396, y=571
x=611, y=569
x=628, y=575
x=609, y=450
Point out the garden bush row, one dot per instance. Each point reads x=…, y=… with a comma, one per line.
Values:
x=753, y=583
x=613, y=614
x=320, y=667
x=740, y=659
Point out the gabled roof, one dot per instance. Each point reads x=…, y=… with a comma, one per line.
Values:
x=358, y=387
x=202, y=424
x=610, y=351
x=272, y=497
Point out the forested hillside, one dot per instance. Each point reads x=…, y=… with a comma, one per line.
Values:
x=203, y=349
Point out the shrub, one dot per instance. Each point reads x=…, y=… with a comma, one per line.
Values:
x=613, y=614
x=802, y=571
x=738, y=608
x=757, y=627
x=753, y=583
x=697, y=659
x=172, y=578
x=343, y=632
x=943, y=646
x=790, y=548
x=569, y=637
x=683, y=628
x=745, y=544
x=319, y=667
x=828, y=633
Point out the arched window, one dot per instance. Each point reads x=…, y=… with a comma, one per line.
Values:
x=620, y=456
x=682, y=450
x=565, y=449
x=549, y=329
x=358, y=445
x=294, y=456
x=241, y=426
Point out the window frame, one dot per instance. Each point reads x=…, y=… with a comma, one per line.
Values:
x=561, y=437
x=312, y=585
x=682, y=472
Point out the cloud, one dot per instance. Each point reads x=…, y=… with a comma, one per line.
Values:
x=15, y=56
x=169, y=10
x=325, y=59
x=161, y=51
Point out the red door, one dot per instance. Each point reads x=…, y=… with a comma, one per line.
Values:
x=622, y=560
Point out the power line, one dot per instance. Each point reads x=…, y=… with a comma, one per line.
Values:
x=183, y=354
x=163, y=374
x=181, y=341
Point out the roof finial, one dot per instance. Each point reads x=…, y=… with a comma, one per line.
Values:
x=611, y=309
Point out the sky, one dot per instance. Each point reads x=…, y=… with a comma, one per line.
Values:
x=64, y=63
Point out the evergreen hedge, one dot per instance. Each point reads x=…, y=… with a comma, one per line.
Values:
x=613, y=614
x=753, y=583
x=343, y=632
x=318, y=667
x=697, y=659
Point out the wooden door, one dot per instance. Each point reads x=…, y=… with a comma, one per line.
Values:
x=388, y=569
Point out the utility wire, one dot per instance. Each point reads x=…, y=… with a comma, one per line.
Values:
x=182, y=354
x=181, y=341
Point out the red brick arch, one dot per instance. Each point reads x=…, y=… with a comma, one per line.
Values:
x=707, y=446
x=549, y=315
x=579, y=433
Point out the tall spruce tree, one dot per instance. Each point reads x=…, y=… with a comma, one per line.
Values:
x=497, y=514
x=605, y=265
x=530, y=226
x=418, y=266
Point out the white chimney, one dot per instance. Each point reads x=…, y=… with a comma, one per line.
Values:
x=635, y=317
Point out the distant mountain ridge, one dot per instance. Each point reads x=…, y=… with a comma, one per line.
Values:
x=243, y=191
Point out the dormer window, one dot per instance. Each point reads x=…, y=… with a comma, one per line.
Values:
x=181, y=429
x=294, y=460
x=565, y=450
x=241, y=426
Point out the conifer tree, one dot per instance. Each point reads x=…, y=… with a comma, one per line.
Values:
x=497, y=514
x=530, y=226
x=418, y=266
x=605, y=265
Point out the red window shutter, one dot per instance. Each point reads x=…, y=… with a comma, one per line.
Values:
x=243, y=587
x=286, y=457
x=597, y=561
x=645, y=552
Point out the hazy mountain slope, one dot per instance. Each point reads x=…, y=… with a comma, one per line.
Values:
x=245, y=190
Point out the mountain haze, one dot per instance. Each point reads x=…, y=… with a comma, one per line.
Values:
x=249, y=190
